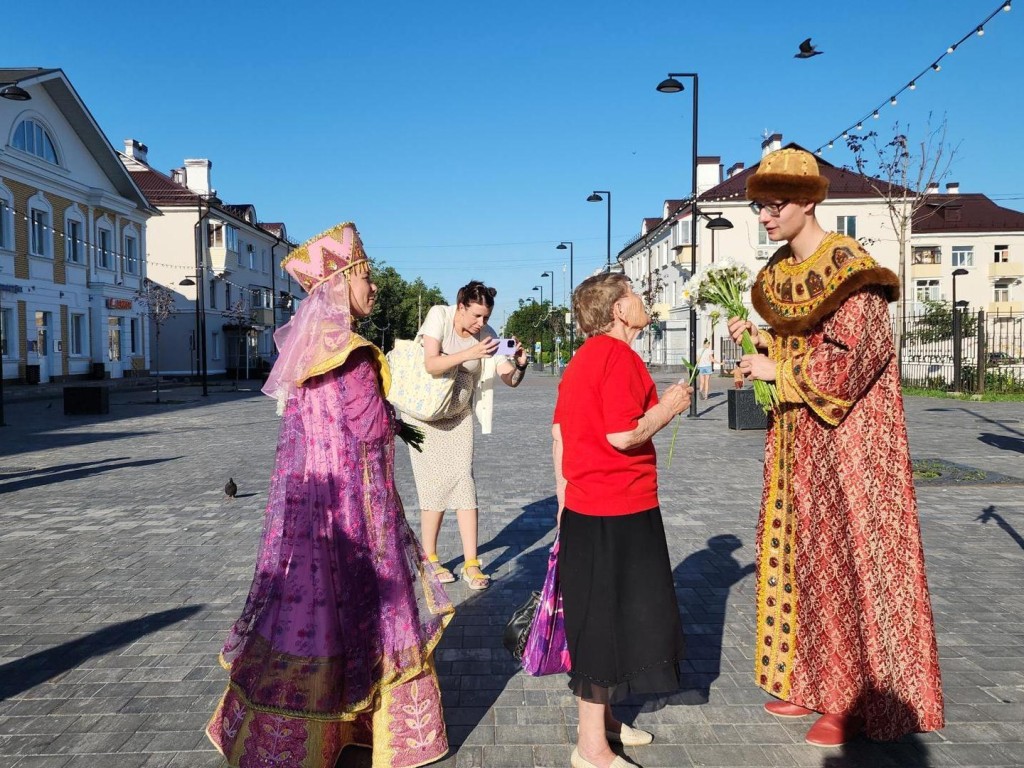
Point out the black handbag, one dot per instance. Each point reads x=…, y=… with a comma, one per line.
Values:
x=518, y=628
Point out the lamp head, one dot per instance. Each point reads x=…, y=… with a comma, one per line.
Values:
x=15, y=93
x=670, y=85
x=960, y=272
x=560, y=247
x=719, y=222
x=187, y=281
x=595, y=198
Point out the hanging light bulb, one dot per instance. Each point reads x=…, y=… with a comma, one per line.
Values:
x=892, y=101
x=936, y=66
x=981, y=31
x=846, y=134
x=951, y=49
x=860, y=126
x=875, y=115
x=913, y=85
x=818, y=152
x=1006, y=7
x=830, y=145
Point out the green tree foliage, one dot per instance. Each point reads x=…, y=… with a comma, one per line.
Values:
x=533, y=322
x=399, y=308
x=936, y=323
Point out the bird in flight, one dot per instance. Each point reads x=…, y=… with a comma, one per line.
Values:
x=807, y=50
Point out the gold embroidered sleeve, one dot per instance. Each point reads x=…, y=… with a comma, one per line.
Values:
x=796, y=383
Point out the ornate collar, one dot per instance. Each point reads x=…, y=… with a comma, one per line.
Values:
x=793, y=298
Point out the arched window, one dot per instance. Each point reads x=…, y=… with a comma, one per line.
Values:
x=30, y=136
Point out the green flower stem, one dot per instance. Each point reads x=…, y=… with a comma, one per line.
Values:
x=675, y=430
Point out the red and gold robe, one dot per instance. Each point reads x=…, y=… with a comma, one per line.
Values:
x=843, y=614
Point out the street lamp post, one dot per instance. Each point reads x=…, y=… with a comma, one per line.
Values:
x=554, y=347
x=199, y=283
x=541, y=289
x=671, y=85
x=572, y=288
x=3, y=333
x=595, y=197
x=957, y=340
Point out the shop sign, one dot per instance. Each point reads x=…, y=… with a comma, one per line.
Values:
x=119, y=303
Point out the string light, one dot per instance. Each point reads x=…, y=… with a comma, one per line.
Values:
x=935, y=66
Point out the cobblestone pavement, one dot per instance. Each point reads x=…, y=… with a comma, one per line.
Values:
x=122, y=565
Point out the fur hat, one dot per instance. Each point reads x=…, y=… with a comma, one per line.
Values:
x=787, y=174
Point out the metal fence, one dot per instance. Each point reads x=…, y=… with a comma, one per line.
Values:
x=931, y=343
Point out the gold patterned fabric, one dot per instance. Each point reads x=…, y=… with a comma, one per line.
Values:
x=844, y=621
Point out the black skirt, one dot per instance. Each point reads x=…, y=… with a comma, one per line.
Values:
x=621, y=613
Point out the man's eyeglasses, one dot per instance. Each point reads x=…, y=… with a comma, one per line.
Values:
x=773, y=209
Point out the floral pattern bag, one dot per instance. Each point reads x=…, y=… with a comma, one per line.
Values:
x=547, y=649
x=413, y=390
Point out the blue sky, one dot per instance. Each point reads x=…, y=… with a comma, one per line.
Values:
x=464, y=137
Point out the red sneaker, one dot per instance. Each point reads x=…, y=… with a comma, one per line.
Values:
x=834, y=730
x=781, y=708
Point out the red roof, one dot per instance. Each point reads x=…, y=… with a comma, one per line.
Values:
x=160, y=189
x=965, y=213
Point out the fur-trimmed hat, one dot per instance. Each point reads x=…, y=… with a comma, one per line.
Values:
x=787, y=174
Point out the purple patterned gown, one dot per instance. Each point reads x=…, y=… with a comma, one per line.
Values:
x=335, y=643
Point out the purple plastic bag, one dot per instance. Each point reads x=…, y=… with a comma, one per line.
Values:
x=547, y=650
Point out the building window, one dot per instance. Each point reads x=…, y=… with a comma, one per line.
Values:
x=1001, y=290
x=133, y=335
x=264, y=261
x=114, y=339
x=963, y=256
x=213, y=294
x=6, y=222
x=926, y=254
x=215, y=345
x=104, y=258
x=232, y=240
x=40, y=235
x=1002, y=254
x=31, y=137
x=227, y=295
x=73, y=241
x=927, y=290
x=252, y=256
x=846, y=225
x=6, y=329
x=215, y=235
x=131, y=255
x=240, y=259
x=78, y=336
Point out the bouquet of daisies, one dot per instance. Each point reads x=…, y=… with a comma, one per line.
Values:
x=722, y=285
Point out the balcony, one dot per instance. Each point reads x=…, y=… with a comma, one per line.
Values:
x=926, y=270
x=1006, y=269
x=1005, y=307
x=222, y=259
x=264, y=317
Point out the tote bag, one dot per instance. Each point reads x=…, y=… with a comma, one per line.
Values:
x=547, y=648
x=413, y=390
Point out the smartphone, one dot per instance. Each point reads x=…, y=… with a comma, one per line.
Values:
x=506, y=347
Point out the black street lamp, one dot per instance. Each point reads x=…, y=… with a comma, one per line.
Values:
x=554, y=347
x=572, y=288
x=957, y=340
x=715, y=224
x=595, y=197
x=200, y=284
x=541, y=289
x=14, y=92
x=671, y=85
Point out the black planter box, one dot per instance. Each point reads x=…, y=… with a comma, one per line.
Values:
x=86, y=401
x=744, y=412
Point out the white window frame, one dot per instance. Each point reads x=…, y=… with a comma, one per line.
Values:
x=78, y=335
x=6, y=219
x=130, y=256
x=957, y=256
x=1001, y=254
x=134, y=336
x=844, y=225
x=1002, y=290
x=215, y=351
x=231, y=237
x=74, y=247
x=102, y=228
x=212, y=298
x=40, y=227
x=36, y=132
x=931, y=286
x=926, y=254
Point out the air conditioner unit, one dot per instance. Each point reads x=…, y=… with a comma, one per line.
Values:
x=764, y=253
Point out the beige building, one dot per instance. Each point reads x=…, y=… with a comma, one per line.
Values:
x=72, y=238
x=224, y=255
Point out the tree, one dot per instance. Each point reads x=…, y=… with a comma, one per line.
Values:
x=651, y=287
x=901, y=174
x=936, y=323
x=529, y=323
x=158, y=302
x=240, y=316
x=399, y=308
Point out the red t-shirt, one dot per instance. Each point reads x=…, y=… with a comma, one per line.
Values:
x=605, y=389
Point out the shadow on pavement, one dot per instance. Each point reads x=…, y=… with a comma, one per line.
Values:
x=703, y=582
x=989, y=513
x=47, y=441
x=28, y=672
x=908, y=752
x=529, y=527
x=60, y=474
x=1002, y=442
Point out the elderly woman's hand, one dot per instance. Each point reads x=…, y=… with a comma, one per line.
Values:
x=677, y=398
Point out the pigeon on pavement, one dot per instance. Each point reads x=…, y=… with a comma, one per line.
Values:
x=230, y=488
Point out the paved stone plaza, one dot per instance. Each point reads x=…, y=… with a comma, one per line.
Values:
x=122, y=565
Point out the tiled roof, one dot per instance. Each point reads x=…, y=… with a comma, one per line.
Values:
x=965, y=213
x=161, y=189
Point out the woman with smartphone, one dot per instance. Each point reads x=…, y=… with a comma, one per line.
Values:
x=459, y=337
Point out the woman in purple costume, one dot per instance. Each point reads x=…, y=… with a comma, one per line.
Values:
x=335, y=643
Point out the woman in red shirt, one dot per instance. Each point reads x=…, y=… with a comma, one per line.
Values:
x=621, y=613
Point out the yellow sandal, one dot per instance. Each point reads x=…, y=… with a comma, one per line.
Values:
x=478, y=583
x=443, y=574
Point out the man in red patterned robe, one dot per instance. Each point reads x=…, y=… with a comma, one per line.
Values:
x=844, y=618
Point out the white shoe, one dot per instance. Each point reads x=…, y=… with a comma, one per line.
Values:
x=628, y=736
x=578, y=761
